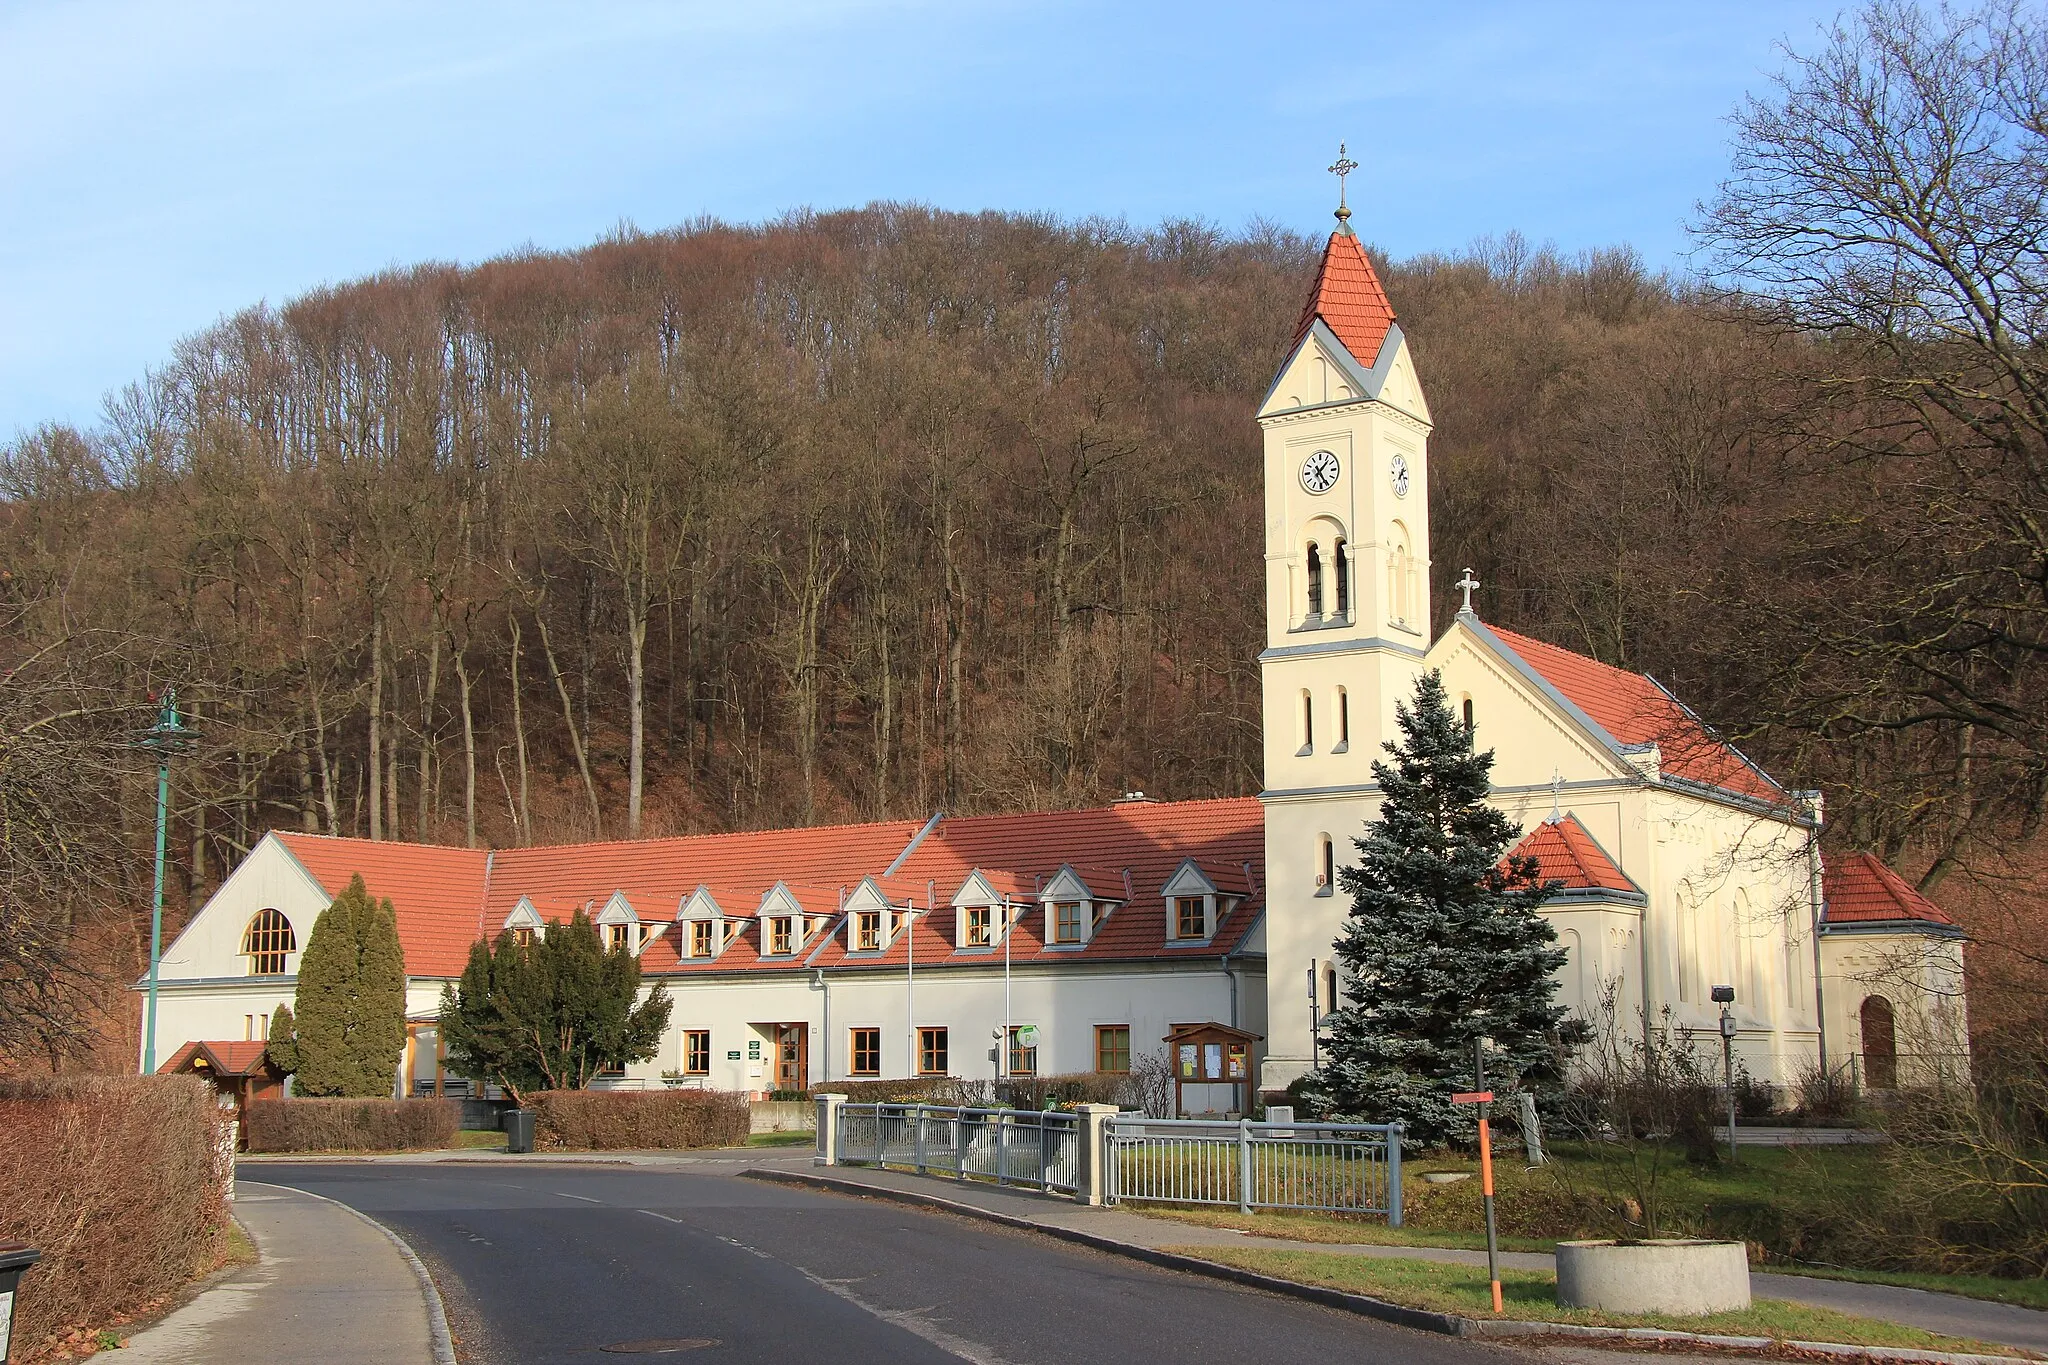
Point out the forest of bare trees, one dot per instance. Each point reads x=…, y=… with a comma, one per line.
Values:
x=877, y=512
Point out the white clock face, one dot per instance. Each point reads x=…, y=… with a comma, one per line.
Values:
x=1319, y=472
x=1398, y=469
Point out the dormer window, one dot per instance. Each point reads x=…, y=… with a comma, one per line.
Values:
x=522, y=935
x=703, y=938
x=979, y=926
x=1069, y=921
x=1190, y=917
x=781, y=934
x=1194, y=906
x=618, y=938
x=867, y=931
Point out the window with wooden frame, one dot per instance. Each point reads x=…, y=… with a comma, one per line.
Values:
x=867, y=1052
x=523, y=935
x=697, y=1052
x=1069, y=921
x=980, y=923
x=781, y=936
x=267, y=941
x=702, y=938
x=618, y=938
x=932, y=1057
x=1190, y=917
x=867, y=931
x=1113, y=1048
x=1023, y=1060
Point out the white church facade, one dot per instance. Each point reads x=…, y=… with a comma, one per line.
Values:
x=1077, y=941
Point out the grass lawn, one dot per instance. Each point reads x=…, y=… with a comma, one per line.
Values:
x=2025, y=1293
x=796, y=1139
x=1313, y=1227
x=478, y=1140
x=1531, y=1297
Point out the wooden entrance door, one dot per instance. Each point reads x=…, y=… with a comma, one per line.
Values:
x=792, y=1057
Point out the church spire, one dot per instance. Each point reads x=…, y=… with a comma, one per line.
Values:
x=1349, y=299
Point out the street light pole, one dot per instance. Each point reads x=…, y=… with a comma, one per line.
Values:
x=1725, y=996
x=167, y=736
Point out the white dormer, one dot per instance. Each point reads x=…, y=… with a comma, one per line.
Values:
x=785, y=928
x=701, y=926
x=979, y=920
x=1072, y=910
x=618, y=924
x=871, y=922
x=1194, y=907
x=524, y=923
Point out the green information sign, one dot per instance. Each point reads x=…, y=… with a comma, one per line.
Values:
x=733, y=1055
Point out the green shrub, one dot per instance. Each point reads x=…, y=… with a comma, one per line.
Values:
x=614, y=1120
x=310, y=1125
x=118, y=1180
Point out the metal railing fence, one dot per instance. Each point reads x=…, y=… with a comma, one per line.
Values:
x=1009, y=1146
x=1328, y=1167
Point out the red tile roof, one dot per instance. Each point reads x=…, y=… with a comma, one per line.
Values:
x=1860, y=889
x=1635, y=710
x=446, y=898
x=1348, y=298
x=226, y=1058
x=1566, y=853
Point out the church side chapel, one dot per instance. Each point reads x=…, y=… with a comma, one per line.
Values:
x=1090, y=941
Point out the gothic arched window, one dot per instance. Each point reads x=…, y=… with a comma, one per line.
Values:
x=267, y=941
x=1315, y=581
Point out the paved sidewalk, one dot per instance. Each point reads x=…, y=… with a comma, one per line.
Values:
x=1950, y=1314
x=331, y=1287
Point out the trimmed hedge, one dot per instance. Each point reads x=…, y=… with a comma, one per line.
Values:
x=308, y=1125
x=118, y=1181
x=614, y=1120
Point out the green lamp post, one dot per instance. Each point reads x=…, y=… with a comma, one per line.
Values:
x=168, y=737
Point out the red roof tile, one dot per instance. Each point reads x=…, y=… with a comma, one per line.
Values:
x=447, y=898
x=1635, y=710
x=1860, y=889
x=226, y=1058
x=1566, y=853
x=1348, y=298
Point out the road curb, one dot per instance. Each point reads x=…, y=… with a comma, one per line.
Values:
x=439, y=1337
x=1444, y=1324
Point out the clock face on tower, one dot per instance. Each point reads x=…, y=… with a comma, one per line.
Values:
x=1397, y=469
x=1319, y=472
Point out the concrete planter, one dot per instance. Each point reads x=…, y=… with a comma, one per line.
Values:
x=1663, y=1276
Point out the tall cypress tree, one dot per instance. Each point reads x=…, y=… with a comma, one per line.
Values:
x=351, y=999
x=1443, y=945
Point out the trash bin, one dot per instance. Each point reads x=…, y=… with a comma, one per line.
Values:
x=15, y=1258
x=518, y=1130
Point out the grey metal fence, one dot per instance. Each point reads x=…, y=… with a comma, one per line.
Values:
x=1339, y=1167
x=1009, y=1146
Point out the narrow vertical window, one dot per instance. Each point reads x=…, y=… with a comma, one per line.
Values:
x=1326, y=864
x=1342, y=567
x=1308, y=722
x=1468, y=715
x=1343, y=717
x=1315, y=582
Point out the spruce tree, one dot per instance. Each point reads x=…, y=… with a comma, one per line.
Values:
x=1443, y=945
x=351, y=999
x=551, y=1014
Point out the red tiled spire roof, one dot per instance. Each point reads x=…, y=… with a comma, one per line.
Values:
x=1566, y=853
x=1348, y=298
x=1860, y=889
x=1635, y=710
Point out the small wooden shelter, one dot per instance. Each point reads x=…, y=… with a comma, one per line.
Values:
x=240, y=1073
x=1212, y=1055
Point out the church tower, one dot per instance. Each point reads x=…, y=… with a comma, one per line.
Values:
x=1347, y=613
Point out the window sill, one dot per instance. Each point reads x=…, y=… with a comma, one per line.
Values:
x=1342, y=746
x=1305, y=751
x=1334, y=621
x=1405, y=628
x=1326, y=891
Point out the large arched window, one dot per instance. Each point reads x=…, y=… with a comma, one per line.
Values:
x=266, y=943
x=1315, y=581
x=1880, y=1043
x=1342, y=568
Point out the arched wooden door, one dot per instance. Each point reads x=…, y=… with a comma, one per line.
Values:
x=1880, y=1044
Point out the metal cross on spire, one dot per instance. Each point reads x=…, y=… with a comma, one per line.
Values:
x=1556, y=795
x=1342, y=167
x=1468, y=583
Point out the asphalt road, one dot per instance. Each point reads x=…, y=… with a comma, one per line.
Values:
x=558, y=1263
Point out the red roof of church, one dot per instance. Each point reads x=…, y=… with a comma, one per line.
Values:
x=447, y=898
x=1566, y=853
x=1635, y=710
x=1348, y=298
x=1860, y=889
x=226, y=1058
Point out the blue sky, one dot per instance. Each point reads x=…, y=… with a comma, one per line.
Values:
x=164, y=164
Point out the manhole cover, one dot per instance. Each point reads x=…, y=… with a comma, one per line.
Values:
x=659, y=1346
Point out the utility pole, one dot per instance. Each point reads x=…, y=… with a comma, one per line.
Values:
x=167, y=737
x=1483, y=1097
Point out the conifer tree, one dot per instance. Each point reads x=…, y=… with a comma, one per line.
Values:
x=1443, y=945
x=351, y=999
x=551, y=1014
x=283, y=1045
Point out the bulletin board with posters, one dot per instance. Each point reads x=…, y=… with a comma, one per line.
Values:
x=1208, y=1057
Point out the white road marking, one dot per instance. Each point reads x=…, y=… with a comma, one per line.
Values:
x=584, y=1197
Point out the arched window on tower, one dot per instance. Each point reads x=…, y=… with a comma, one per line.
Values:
x=267, y=942
x=1343, y=720
x=1308, y=722
x=1400, y=576
x=1342, y=568
x=1326, y=866
x=1315, y=581
x=1468, y=715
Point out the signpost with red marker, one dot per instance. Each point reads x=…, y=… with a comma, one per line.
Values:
x=1484, y=1099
